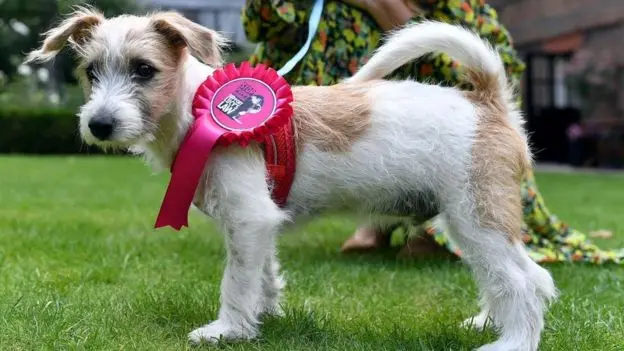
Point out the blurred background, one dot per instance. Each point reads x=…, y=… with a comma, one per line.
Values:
x=573, y=87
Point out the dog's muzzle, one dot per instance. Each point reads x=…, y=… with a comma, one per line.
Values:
x=102, y=125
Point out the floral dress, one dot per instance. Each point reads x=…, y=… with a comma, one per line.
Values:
x=345, y=40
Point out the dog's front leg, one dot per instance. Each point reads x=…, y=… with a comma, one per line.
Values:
x=250, y=245
x=250, y=221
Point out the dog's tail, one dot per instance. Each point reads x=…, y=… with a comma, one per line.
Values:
x=485, y=69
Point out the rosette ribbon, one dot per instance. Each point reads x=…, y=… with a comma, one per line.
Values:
x=235, y=105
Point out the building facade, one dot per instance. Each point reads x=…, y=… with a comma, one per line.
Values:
x=575, y=72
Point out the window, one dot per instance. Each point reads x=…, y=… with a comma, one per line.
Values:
x=545, y=83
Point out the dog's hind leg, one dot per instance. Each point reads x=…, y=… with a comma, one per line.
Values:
x=514, y=289
x=484, y=211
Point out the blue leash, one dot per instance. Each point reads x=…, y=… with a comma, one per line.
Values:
x=315, y=19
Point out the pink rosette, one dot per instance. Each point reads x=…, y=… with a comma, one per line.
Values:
x=233, y=105
x=282, y=111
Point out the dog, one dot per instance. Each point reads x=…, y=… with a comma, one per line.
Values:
x=253, y=105
x=395, y=149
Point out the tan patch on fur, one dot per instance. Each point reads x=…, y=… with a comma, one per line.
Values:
x=75, y=29
x=499, y=160
x=331, y=117
x=153, y=47
x=203, y=43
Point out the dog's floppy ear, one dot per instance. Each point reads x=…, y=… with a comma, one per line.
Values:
x=75, y=29
x=203, y=43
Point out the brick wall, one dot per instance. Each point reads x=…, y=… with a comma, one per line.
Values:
x=607, y=38
x=531, y=21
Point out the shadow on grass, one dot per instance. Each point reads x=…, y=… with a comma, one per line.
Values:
x=382, y=258
x=301, y=329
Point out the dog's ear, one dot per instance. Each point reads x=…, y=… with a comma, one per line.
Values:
x=75, y=29
x=203, y=43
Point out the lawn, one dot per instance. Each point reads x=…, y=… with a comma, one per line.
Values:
x=82, y=268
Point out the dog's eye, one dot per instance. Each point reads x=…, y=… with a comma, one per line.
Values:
x=144, y=71
x=90, y=71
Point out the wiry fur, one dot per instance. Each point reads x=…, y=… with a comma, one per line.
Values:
x=396, y=149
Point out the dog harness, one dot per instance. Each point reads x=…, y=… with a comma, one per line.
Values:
x=280, y=155
x=280, y=151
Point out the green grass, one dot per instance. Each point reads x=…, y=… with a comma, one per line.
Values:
x=81, y=268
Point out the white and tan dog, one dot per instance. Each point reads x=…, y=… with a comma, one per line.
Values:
x=390, y=148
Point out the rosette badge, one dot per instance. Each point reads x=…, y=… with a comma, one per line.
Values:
x=233, y=105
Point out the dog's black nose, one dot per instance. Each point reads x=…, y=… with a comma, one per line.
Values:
x=102, y=126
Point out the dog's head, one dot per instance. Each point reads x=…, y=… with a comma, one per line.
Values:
x=130, y=68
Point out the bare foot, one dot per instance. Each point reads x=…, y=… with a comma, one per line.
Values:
x=366, y=239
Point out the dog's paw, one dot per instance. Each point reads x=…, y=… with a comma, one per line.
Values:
x=220, y=331
x=478, y=322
